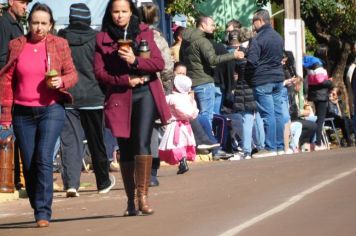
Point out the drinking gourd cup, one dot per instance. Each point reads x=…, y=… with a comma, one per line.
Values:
x=49, y=77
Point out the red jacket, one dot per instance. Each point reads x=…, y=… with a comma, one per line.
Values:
x=61, y=60
x=113, y=72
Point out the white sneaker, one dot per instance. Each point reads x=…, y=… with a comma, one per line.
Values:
x=114, y=167
x=112, y=184
x=208, y=146
x=264, y=153
x=236, y=157
x=247, y=157
x=289, y=151
x=72, y=192
x=281, y=152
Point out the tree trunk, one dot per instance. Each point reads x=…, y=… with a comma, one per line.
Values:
x=338, y=77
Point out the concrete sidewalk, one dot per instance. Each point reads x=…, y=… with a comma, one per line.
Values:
x=5, y=197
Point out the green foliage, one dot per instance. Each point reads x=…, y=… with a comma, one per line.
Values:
x=5, y=6
x=219, y=33
x=337, y=18
x=189, y=8
x=261, y=3
x=311, y=42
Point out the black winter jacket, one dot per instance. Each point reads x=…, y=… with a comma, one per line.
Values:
x=223, y=73
x=87, y=92
x=320, y=92
x=243, y=99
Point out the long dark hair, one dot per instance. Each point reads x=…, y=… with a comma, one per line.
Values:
x=321, y=52
x=42, y=7
x=107, y=19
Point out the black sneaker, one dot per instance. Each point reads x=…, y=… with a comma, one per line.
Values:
x=220, y=154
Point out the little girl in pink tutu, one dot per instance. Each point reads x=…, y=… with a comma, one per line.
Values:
x=178, y=143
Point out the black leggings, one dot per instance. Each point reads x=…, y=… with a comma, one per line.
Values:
x=320, y=112
x=143, y=116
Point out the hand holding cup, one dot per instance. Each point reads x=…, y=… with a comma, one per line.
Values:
x=53, y=81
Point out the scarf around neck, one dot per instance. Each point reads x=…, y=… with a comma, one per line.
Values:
x=132, y=31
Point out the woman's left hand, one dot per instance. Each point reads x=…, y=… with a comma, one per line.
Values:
x=127, y=55
x=57, y=82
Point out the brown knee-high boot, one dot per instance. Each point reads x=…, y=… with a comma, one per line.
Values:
x=128, y=177
x=143, y=164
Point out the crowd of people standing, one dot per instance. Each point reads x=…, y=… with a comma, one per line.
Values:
x=156, y=102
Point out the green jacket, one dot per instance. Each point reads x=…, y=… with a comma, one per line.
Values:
x=199, y=56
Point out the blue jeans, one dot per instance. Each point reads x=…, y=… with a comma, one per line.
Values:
x=37, y=130
x=207, y=127
x=247, y=126
x=295, y=132
x=205, y=97
x=258, y=134
x=218, y=99
x=312, y=118
x=285, y=105
x=270, y=105
x=236, y=128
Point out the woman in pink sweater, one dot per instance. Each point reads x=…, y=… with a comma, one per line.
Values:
x=33, y=105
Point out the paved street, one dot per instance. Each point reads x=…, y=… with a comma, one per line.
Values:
x=305, y=194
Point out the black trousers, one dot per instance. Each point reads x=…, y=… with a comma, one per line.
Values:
x=308, y=131
x=343, y=124
x=90, y=122
x=143, y=115
x=320, y=112
x=199, y=133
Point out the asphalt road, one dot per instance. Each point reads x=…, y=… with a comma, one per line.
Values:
x=305, y=194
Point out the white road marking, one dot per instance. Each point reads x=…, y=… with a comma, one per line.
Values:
x=293, y=200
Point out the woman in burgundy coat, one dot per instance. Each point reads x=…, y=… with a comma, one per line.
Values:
x=134, y=96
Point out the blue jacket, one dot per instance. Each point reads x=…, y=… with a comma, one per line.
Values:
x=264, y=57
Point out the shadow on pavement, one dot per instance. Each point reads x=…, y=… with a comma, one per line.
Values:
x=32, y=224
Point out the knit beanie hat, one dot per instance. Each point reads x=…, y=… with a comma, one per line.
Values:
x=182, y=83
x=79, y=12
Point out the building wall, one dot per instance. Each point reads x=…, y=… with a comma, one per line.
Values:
x=224, y=10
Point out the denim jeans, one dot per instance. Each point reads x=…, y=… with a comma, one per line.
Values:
x=270, y=105
x=236, y=129
x=205, y=97
x=295, y=132
x=247, y=126
x=37, y=130
x=285, y=105
x=207, y=127
x=258, y=134
x=218, y=100
x=313, y=119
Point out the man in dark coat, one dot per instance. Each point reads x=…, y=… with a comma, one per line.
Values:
x=10, y=27
x=265, y=74
x=87, y=109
